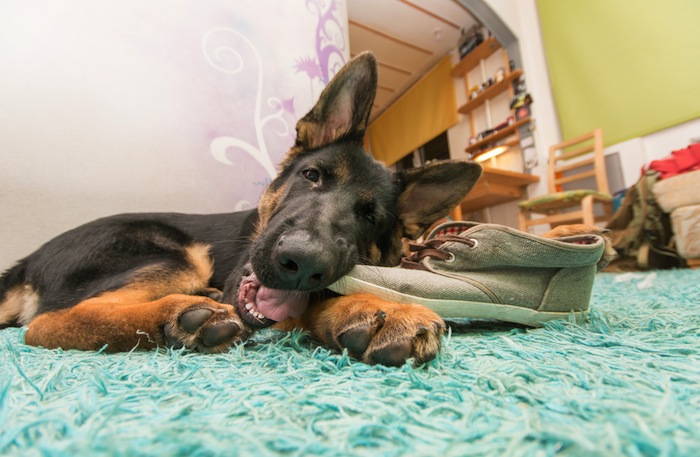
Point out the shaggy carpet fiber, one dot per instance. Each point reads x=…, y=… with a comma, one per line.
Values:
x=627, y=383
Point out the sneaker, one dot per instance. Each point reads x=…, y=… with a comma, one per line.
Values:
x=488, y=271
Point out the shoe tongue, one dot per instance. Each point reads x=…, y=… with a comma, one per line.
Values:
x=450, y=228
x=278, y=305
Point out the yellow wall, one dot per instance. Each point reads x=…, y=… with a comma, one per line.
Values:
x=631, y=67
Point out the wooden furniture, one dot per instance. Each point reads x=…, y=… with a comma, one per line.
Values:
x=569, y=163
x=494, y=187
x=464, y=69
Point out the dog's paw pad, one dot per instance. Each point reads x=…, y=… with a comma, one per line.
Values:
x=204, y=326
x=356, y=340
x=219, y=333
x=192, y=320
x=394, y=354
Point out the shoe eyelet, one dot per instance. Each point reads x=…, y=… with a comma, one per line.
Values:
x=451, y=258
x=476, y=243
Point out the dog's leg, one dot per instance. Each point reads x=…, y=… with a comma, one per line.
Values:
x=123, y=320
x=374, y=330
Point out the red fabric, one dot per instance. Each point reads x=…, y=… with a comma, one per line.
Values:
x=450, y=231
x=680, y=161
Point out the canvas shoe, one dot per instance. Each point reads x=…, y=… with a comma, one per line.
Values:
x=488, y=271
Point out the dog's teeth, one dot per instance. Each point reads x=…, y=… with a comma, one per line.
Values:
x=248, y=306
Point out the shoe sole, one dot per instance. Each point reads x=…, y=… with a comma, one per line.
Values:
x=460, y=309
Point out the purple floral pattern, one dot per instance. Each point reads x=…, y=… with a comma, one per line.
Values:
x=263, y=127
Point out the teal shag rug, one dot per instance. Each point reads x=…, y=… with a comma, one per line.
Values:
x=625, y=384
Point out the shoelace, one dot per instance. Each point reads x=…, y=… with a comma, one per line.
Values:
x=432, y=248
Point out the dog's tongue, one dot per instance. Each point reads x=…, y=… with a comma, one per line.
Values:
x=277, y=305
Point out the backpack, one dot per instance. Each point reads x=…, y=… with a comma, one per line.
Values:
x=641, y=230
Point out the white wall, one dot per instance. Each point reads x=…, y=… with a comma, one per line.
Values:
x=639, y=152
x=162, y=105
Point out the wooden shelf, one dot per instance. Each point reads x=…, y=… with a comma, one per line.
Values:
x=471, y=60
x=504, y=132
x=496, y=186
x=490, y=92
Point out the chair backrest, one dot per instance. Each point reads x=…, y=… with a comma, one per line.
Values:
x=578, y=159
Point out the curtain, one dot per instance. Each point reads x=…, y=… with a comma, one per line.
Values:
x=426, y=110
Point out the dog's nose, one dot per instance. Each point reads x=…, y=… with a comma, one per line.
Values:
x=304, y=263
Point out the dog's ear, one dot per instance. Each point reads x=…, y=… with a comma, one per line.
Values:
x=431, y=192
x=343, y=108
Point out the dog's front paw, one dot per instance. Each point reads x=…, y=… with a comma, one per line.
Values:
x=380, y=332
x=204, y=326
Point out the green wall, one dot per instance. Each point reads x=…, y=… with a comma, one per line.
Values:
x=631, y=67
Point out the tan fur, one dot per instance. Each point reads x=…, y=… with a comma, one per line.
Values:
x=293, y=152
x=398, y=324
x=375, y=255
x=315, y=135
x=412, y=230
x=268, y=203
x=123, y=320
x=581, y=229
x=151, y=282
x=392, y=257
x=414, y=223
x=134, y=315
x=198, y=255
x=20, y=305
x=343, y=172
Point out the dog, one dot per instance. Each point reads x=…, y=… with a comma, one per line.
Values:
x=205, y=282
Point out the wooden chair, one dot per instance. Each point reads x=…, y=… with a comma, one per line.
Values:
x=571, y=162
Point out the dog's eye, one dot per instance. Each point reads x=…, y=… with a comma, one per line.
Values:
x=371, y=218
x=311, y=174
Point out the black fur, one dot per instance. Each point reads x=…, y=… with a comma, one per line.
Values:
x=331, y=207
x=102, y=255
x=344, y=212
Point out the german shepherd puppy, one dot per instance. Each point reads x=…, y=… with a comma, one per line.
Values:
x=206, y=281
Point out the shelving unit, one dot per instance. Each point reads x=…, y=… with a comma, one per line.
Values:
x=503, y=133
x=470, y=62
x=491, y=92
x=496, y=186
